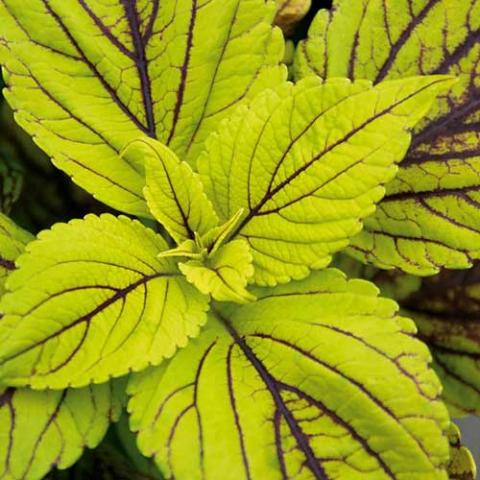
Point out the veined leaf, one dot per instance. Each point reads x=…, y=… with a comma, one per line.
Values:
x=317, y=379
x=446, y=310
x=225, y=274
x=313, y=167
x=39, y=430
x=11, y=179
x=290, y=12
x=462, y=465
x=94, y=301
x=430, y=215
x=87, y=77
x=174, y=193
x=12, y=243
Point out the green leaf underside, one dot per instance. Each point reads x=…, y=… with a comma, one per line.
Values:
x=87, y=77
x=316, y=379
x=462, y=464
x=307, y=164
x=94, y=301
x=225, y=274
x=446, y=310
x=430, y=216
x=39, y=430
x=12, y=243
x=174, y=193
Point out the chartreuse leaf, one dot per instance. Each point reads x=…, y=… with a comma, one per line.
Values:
x=12, y=243
x=462, y=464
x=430, y=215
x=39, y=430
x=307, y=164
x=173, y=191
x=225, y=274
x=94, y=301
x=316, y=379
x=446, y=309
x=87, y=77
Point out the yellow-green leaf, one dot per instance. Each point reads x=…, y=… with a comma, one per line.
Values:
x=430, y=216
x=224, y=274
x=87, y=77
x=174, y=193
x=307, y=164
x=94, y=301
x=462, y=464
x=316, y=379
x=41, y=430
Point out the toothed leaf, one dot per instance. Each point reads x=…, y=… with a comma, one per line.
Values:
x=430, y=216
x=91, y=300
x=317, y=379
x=307, y=164
x=87, y=77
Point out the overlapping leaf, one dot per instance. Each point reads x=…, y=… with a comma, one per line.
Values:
x=12, y=243
x=307, y=163
x=94, y=301
x=317, y=379
x=39, y=430
x=462, y=465
x=86, y=77
x=430, y=216
x=174, y=192
x=447, y=312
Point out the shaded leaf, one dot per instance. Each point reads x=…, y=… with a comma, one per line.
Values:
x=87, y=77
x=12, y=243
x=446, y=310
x=307, y=164
x=317, y=379
x=39, y=430
x=462, y=465
x=430, y=215
x=290, y=12
x=174, y=193
x=94, y=301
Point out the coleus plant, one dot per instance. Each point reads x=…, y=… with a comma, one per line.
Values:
x=214, y=312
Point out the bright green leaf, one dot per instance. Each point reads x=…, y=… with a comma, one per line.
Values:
x=39, y=430
x=446, y=310
x=174, y=193
x=317, y=379
x=462, y=464
x=12, y=243
x=223, y=275
x=87, y=77
x=94, y=301
x=307, y=164
x=430, y=216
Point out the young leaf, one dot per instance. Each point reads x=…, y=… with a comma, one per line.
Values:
x=430, y=215
x=225, y=274
x=174, y=193
x=307, y=164
x=87, y=77
x=317, y=379
x=462, y=465
x=94, y=301
x=39, y=430
x=12, y=243
x=446, y=310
